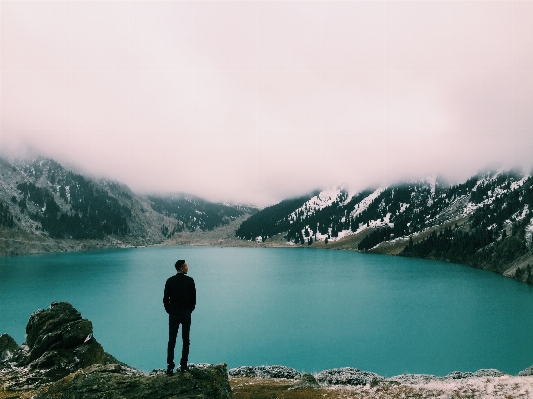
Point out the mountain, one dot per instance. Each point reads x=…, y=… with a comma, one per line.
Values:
x=485, y=222
x=46, y=207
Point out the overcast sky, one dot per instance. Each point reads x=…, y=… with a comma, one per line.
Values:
x=255, y=102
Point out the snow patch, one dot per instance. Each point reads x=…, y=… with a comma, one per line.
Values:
x=320, y=201
x=529, y=233
x=491, y=195
x=519, y=183
x=524, y=213
x=360, y=207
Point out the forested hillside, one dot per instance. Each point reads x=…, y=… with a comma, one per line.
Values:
x=485, y=222
x=191, y=213
x=43, y=205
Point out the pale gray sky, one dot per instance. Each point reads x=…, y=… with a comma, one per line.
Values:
x=254, y=102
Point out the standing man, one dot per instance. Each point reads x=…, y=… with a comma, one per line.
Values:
x=179, y=300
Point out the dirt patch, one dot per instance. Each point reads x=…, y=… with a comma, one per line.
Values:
x=17, y=394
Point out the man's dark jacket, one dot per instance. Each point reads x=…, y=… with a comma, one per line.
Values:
x=180, y=294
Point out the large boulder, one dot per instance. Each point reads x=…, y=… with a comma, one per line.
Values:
x=119, y=382
x=59, y=338
x=58, y=342
x=8, y=346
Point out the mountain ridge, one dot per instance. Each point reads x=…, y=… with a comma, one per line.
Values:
x=45, y=207
x=485, y=222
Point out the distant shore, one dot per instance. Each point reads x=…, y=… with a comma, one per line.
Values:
x=13, y=244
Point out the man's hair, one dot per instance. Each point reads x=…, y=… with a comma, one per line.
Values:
x=179, y=264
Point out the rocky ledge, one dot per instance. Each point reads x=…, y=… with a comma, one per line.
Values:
x=115, y=381
x=62, y=359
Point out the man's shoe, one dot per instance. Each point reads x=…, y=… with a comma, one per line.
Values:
x=170, y=372
x=184, y=368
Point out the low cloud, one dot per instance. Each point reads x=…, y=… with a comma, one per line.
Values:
x=258, y=101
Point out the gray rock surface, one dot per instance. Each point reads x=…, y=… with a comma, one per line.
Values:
x=115, y=381
x=58, y=342
x=306, y=381
x=348, y=376
x=489, y=373
x=526, y=372
x=265, y=372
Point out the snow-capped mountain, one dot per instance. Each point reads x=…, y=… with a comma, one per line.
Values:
x=485, y=222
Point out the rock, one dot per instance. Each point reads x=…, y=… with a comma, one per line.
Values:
x=58, y=342
x=114, y=381
x=8, y=346
x=62, y=359
x=458, y=375
x=59, y=339
x=265, y=372
x=306, y=381
x=488, y=373
x=61, y=329
x=526, y=372
x=348, y=376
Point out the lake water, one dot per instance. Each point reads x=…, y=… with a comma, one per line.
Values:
x=304, y=308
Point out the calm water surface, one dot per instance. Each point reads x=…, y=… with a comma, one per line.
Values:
x=304, y=308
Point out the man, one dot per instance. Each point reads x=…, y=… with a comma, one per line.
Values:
x=179, y=300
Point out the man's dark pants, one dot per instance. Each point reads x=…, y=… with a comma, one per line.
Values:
x=174, y=321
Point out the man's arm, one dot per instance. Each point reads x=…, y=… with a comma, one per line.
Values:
x=193, y=296
x=166, y=297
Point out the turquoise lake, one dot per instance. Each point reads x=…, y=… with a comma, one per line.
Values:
x=304, y=308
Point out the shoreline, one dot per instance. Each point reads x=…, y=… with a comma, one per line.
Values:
x=223, y=236
x=60, y=348
x=49, y=246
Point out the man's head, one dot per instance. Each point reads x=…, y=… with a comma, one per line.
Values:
x=181, y=266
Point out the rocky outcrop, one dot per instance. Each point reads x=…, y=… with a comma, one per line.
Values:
x=57, y=338
x=58, y=342
x=526, y=372
x=120, y=382
x=8, y=346
x=265, y=372
x=62, y=359
x=348, y=376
